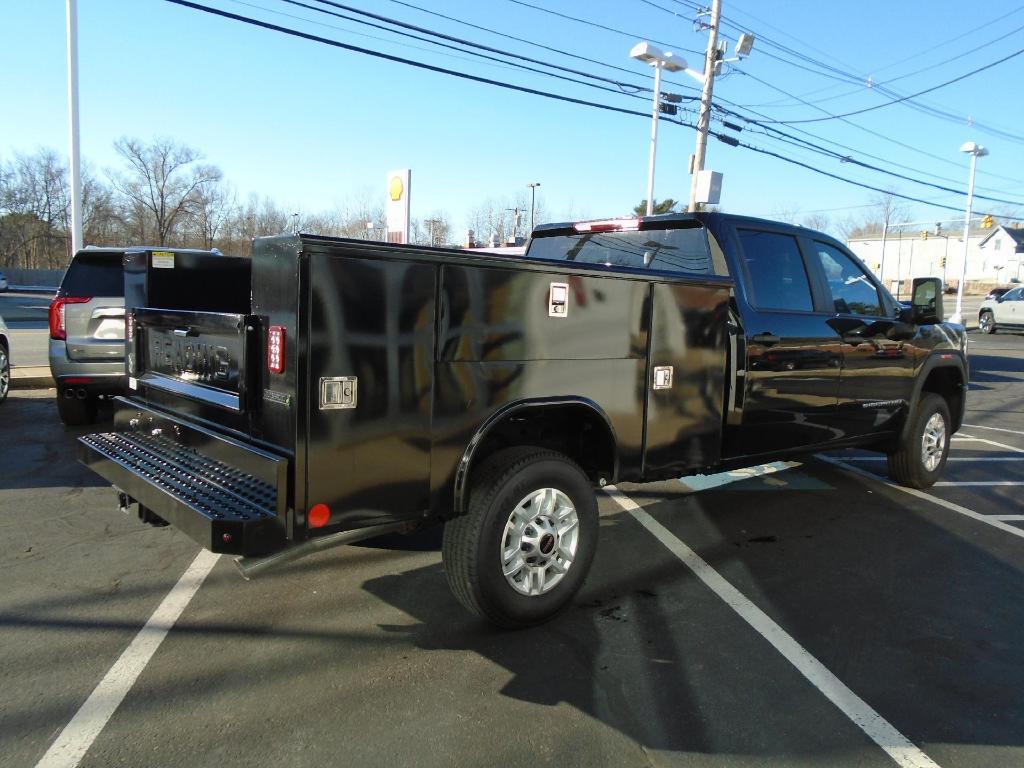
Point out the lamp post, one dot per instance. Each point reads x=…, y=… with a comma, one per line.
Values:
x=533, y=199
x=660, y=60
x=975, y=151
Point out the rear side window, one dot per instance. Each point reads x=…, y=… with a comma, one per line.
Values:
x=778, y=278
x=669, y=250
x=852, y=291
x=94, y=274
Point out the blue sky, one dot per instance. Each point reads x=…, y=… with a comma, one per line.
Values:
x=313, y=126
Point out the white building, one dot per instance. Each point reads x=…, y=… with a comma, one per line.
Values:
x=994, y=256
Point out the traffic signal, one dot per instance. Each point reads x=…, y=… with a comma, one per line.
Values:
x=942, y=262
x=924, y=234
x=987, y=221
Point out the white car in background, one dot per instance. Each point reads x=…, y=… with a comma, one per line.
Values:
x=3, y=283
x=5, y=361
x=1006, y=312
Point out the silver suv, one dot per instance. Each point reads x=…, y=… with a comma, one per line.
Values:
x=87, y=334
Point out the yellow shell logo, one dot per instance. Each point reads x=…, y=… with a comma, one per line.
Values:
x=396, y=188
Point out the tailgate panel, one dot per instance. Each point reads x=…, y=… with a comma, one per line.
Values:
x=198, y=355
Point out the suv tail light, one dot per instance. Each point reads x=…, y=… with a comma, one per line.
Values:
x=275, y=349
x=58, y=330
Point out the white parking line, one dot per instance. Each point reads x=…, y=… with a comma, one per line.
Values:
x=1008, y=518
x=992, y=520
x=903, y=751
x=995, y=429
x=707, y=482
x=951, y=458
x=78, y=735
x=1004, y=446
x=955, y=483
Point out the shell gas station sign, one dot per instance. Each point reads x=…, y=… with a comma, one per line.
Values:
x=397, y=208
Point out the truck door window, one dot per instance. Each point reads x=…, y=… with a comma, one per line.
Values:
x=670, y=250
x=778, y=278
x=852, y=291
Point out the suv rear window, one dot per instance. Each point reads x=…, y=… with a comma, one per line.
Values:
x=669, y=250
x=94, y=274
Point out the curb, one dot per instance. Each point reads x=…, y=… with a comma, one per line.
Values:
x=31, y=377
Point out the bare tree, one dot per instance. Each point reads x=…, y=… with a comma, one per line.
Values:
x=214, y=203
x=160, y=185
x=886, y=211
x=34, y=210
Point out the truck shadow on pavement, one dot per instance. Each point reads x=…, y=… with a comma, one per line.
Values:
x=647, y=650
x=37, y=450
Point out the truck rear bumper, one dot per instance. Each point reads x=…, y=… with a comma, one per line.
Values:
x=228, y=496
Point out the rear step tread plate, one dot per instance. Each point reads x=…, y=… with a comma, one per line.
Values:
x=212, y=488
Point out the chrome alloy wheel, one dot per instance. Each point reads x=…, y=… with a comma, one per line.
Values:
x=539, y=542
x=933, y=442
x=985, y=322
x=5, y=374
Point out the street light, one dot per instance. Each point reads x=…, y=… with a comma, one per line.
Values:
x=975, y=151
x=533, y=197
x=660, y=60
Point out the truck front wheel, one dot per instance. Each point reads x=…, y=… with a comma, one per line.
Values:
x=524, y=547
x=919, y=460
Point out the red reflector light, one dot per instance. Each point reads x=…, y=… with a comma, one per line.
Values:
x=76, y=380
x=319, y=515
x=58, y=330
x=608, y=225
x=275, y=349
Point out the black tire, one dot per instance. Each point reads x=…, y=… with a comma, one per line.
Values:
x=5, y=372
x=987, y=322
x=907, y=464
x=75, y=412
x=473, y=543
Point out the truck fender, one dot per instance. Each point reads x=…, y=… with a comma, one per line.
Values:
x=952, y=359
x=462, y=472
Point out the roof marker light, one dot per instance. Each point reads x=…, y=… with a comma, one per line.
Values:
x=608, y=225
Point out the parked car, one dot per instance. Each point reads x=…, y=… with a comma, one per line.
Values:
x=4, y=285
x=87, y=334
x=1005, y=311
x=995, y=293
x=5, y=361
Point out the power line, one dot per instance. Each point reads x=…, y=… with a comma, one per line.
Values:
x=905, y=98
x=517, y=39
x=546, y=94
x=451, y=38
x=634, y=35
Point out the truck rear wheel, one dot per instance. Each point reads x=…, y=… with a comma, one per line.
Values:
x=921, y=456
x=524, y=547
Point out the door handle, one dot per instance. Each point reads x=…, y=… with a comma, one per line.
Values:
x=765, y=338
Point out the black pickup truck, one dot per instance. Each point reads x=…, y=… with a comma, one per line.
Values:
x=327, y=390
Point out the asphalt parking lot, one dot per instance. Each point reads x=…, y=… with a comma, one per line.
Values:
x=812, y=615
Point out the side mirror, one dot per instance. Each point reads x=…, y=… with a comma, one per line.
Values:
x=926, y=300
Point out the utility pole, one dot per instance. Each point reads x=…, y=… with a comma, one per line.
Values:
x=704, y=121
x=533, y=199
x=515, y=221
x=76, y=163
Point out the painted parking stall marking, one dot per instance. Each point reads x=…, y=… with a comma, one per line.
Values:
x=79, y=734
x=902, y=751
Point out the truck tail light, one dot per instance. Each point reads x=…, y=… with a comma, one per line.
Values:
x=58, y=330
x=275, y=349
